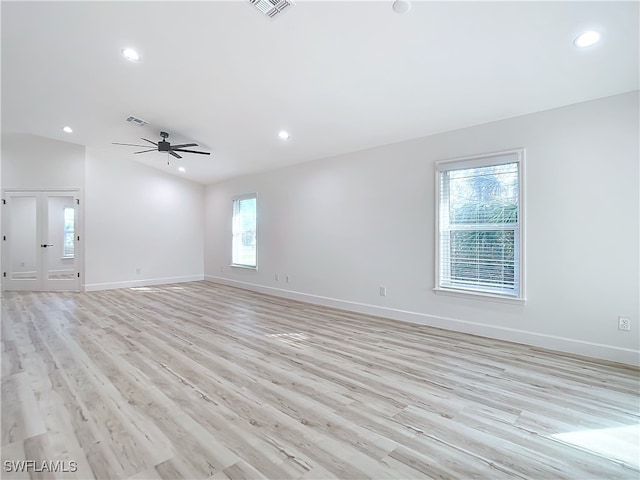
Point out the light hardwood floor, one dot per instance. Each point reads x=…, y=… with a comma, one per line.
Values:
x=200, y=380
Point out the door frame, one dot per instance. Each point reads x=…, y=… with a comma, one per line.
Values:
x=42, y=284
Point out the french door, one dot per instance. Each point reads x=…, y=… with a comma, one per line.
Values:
x=41, y=243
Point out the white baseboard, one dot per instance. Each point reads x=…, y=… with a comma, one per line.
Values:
x=551, y=342
x=92, y=287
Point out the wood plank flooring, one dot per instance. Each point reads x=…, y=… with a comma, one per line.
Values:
x=201, y=380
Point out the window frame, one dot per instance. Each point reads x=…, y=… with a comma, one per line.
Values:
x=239, y=198
x=477, y=161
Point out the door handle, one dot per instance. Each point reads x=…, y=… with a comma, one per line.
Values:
x=45, y=245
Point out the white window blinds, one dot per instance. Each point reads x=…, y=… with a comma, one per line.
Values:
x=479, y=220
x=244, y=239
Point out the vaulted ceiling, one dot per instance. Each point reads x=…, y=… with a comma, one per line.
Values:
x=338, y=76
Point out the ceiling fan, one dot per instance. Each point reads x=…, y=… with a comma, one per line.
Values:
x=164, y=146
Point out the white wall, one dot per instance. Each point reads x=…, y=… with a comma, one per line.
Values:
x=139, y=219
x=32, y=162
x=343, y=227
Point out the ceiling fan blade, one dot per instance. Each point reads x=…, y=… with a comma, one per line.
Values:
x=171, y=152
x=150, y=141
x=145, y=151
x=128, y=144
x=191, y=151
x=184, y=145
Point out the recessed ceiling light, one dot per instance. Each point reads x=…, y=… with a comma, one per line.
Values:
x=67, y=129
x=284, y=135
x=131, y=54
x=587, y=39
x=181, y=169
x=401, y=6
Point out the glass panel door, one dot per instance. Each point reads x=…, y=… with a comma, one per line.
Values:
x=59, y=239
x=23, y=234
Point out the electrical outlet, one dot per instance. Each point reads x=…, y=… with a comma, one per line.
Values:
x=287, y=279
x=138, y=271
x=624, y=324
x=222, y=268
x=277, y=277
x=383, y=291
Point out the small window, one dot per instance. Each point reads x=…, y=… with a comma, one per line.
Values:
x=480, y=241
x=244, y=241
x=68, y=243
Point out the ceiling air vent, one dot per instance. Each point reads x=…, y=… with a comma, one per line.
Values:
x=271, y=8
x=137, y=121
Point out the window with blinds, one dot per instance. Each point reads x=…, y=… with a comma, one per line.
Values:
x=480, y=225
x=244, y=238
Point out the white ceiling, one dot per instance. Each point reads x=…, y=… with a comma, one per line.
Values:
x=339, y=76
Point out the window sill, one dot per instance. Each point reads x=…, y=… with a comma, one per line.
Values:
x=479, y=296
x=246, y=267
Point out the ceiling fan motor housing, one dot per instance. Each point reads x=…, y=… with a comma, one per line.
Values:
x=163, y=145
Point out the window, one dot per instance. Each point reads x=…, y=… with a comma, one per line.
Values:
x=68, y=242
x=479, y=235
x=243, y=247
